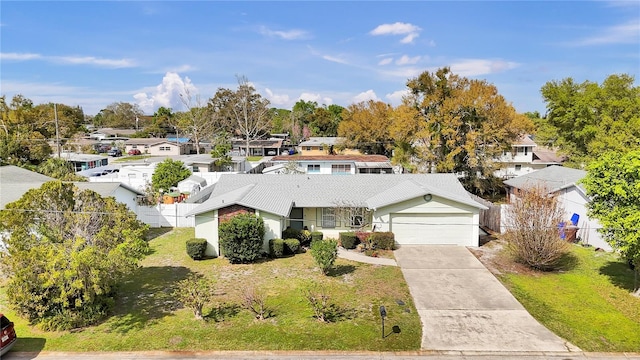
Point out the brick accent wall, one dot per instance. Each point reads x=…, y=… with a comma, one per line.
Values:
x=228, y=212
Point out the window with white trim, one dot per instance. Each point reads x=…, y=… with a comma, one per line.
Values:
x=328, y=217
x=340, y=169
x=313, y=168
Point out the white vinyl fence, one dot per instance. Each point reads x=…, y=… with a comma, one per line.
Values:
x=167, y=215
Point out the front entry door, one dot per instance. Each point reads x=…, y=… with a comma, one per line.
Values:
x=296, y=218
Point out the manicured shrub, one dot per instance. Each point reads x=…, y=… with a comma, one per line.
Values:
x=349, y=240
x=291, y=246
x=316, y=235
x=291, y=233
x=382, y=240
x=324, y=253
x=305, y=236
x=363, y=236
x=196, y=248
x=276, y=248
x=241, y=238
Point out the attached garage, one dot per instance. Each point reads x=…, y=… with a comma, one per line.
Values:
x=432, y=229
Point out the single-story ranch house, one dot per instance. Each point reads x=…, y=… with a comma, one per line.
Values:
x=417, y=208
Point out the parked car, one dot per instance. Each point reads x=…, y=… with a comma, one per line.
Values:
x=134, y=152
x=7, y=335
x=114, y=152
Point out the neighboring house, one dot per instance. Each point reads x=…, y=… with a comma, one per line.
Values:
x=263, y=147
x=192, y=185
x=111, y=134
x=83, y=162
x=120, y=192
x=526, y=156
x=563, y=182
x=417, y=208
x=157, y=146
x=332, y=164
x=16, y=181
x=324, y=146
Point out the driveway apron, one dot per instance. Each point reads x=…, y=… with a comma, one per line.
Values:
x=462, y=306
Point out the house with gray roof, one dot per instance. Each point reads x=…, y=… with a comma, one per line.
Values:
x=417, y=208
x=565, y=184
x=525, y=157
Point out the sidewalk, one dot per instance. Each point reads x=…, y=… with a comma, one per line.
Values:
x=316, y=355
x=360, y=257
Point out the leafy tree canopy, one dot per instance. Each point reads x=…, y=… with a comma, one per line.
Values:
x=67, y=251
x=366, y=125
x=121, y=115
x=587, y=119
x=613, y=184
x=168, y=174
x=456, y=124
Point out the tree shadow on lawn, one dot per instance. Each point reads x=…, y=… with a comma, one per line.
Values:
x=222, y=311
x=339, y=270
x=567, y=262
x=619, y=274
x=146, y=297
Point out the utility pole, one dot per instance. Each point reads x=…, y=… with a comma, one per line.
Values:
x=55, y=111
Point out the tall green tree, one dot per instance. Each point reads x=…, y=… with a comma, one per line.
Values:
x=168, y=174
x=67, y=251
x=163, y=122
x=613, y=185
x=247, y=111
x=587, y=119
x=459, y=125
x=365, y=126
x=121, y=115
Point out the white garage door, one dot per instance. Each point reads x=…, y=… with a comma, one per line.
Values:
x=433, y=229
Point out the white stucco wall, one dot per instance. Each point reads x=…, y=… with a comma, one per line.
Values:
x=126, y=197
x=574, y=201
x=207, y=228
x=272, y=227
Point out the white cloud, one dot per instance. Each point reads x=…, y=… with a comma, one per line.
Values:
x=90, y=60
x=385, y=61
x=166, y=94
x=334, y=59
x=628, y=33
x=396, y=96
x=365, y=96
x=404, y=72
x=277, y=99
x=293, y=34
x=475, y=67
x=409, y=30
x=182, y=69
x=315, y=97
x=406, y=60
x=19, y=56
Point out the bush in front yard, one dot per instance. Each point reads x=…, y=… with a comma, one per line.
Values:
x=316, y=235
x=291, y=233
x=324, y=253
x=196, y=248
x=276, y=248
x=291, y=246
x=348, y=240
x=241, y=238
x=382, y=240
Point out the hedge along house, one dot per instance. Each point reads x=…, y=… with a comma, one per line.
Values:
x=418, y=209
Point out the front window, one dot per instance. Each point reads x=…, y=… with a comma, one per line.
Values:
x=518, y=167
x=328, y=218
x=340, y=169
x=313, y=168
x=357, y=218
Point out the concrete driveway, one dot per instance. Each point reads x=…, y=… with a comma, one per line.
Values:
x=463, y=307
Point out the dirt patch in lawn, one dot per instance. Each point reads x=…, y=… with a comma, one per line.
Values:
x=495, y=257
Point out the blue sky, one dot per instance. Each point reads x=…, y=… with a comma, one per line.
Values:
x=94, y=53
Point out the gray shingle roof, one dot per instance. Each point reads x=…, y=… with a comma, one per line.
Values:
x=278, y=193
x=552, y=177
x=15, y=181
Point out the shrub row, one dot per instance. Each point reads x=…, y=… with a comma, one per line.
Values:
x=348, y=240
x=279, y=248
x=373, y=240
x=382, y=240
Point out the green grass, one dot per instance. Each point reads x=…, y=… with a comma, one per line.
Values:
x=590, y=305
x=148, y=318
x=254, y=158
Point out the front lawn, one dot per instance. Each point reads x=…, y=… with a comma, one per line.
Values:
x=148, y=318
x=589, y=304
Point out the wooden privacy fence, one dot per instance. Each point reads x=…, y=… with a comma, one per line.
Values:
x=489, y=218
